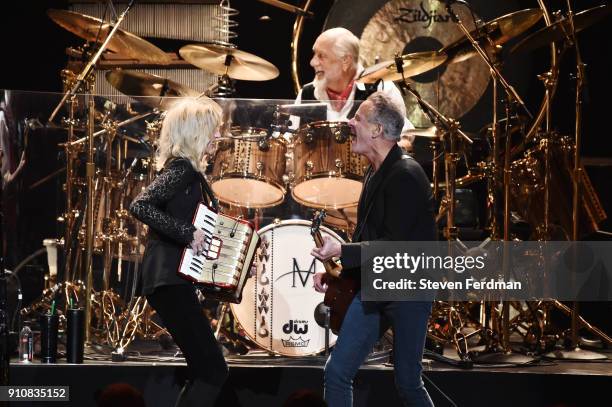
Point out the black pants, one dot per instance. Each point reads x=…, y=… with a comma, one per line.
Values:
x=181, y=312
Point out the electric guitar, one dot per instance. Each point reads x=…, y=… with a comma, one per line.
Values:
x=341, y=289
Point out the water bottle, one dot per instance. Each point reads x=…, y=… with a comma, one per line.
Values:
x=26, y=344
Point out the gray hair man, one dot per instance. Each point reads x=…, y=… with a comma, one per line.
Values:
x=396, y=205
x=336, y=64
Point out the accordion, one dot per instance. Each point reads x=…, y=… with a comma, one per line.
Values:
x=221, y=270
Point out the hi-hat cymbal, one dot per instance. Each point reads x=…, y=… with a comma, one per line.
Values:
x=124, y=43
x=561, y=28
x=144, y=87
x=233, y=62
x=499, y=31
x=414, y=64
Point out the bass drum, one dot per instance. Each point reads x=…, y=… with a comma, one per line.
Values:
x=278, y=304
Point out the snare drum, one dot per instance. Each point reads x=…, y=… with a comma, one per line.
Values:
x=248, y=169
x=328, y=174
x=278, y=304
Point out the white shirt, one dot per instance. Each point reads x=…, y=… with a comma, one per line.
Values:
x=386, y=87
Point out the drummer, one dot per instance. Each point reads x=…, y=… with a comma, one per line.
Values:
x=336, y=65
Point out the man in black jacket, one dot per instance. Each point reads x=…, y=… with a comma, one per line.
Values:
x=396, y=204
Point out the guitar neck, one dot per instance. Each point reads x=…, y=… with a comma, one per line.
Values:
x=331, y=266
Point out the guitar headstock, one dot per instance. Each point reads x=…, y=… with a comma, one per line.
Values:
x=317, y=220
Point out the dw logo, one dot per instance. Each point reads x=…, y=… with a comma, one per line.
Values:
x=295, y=326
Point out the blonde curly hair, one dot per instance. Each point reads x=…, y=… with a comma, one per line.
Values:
x=187, y=129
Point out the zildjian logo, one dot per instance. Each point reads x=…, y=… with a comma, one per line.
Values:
x=414, y=15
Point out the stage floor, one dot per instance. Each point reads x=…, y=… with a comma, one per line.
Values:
x=264, y=380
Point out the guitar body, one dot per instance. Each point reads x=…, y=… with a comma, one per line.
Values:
x=338, y=297
x=340, y=289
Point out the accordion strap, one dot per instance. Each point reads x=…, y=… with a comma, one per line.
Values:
x=209, y=194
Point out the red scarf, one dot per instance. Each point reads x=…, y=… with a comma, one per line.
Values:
x=338, y=99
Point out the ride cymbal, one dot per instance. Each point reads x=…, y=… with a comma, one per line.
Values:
x=561, y=28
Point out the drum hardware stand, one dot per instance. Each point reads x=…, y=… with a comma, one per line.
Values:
x=512, y=98
x=108, y=186
x=576, y=352
x=86, y=77
x=322, y=315
x=222, y=313
x=70, y=213
x=452, y=130
x=435, y=146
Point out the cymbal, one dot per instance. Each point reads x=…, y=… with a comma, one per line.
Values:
x=499, y=31
x=240, y=64
x=428, y=132
x=124, y=43
x=559, y=29
x=145, y=86
x=414, y=64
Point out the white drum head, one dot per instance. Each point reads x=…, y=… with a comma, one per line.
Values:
x=248, y=193
x=277, y=308
x=327, y=193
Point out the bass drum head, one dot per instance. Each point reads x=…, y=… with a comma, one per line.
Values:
x=278, y=304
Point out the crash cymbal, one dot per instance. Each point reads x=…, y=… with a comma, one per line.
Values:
x=124, y=43
x=233, y=62
x=144, y=87
x=561, y=28
x=499, y=31
x=414, y=64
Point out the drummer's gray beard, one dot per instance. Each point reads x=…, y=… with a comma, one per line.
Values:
x=319, y=84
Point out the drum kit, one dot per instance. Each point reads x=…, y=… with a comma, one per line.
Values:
x=254, y=169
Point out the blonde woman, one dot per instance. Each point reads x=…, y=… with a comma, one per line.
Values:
x=167, y=206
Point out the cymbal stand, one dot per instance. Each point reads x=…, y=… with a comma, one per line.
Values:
x=70, y=212
x=452, y=131
x=86, y=77
x=108, y=186
x=435, y=169
x=451, y=127
x=512, y=98
x=576, y=352
x=492, y=193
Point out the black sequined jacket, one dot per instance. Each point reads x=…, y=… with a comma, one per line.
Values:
x=167, y=206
